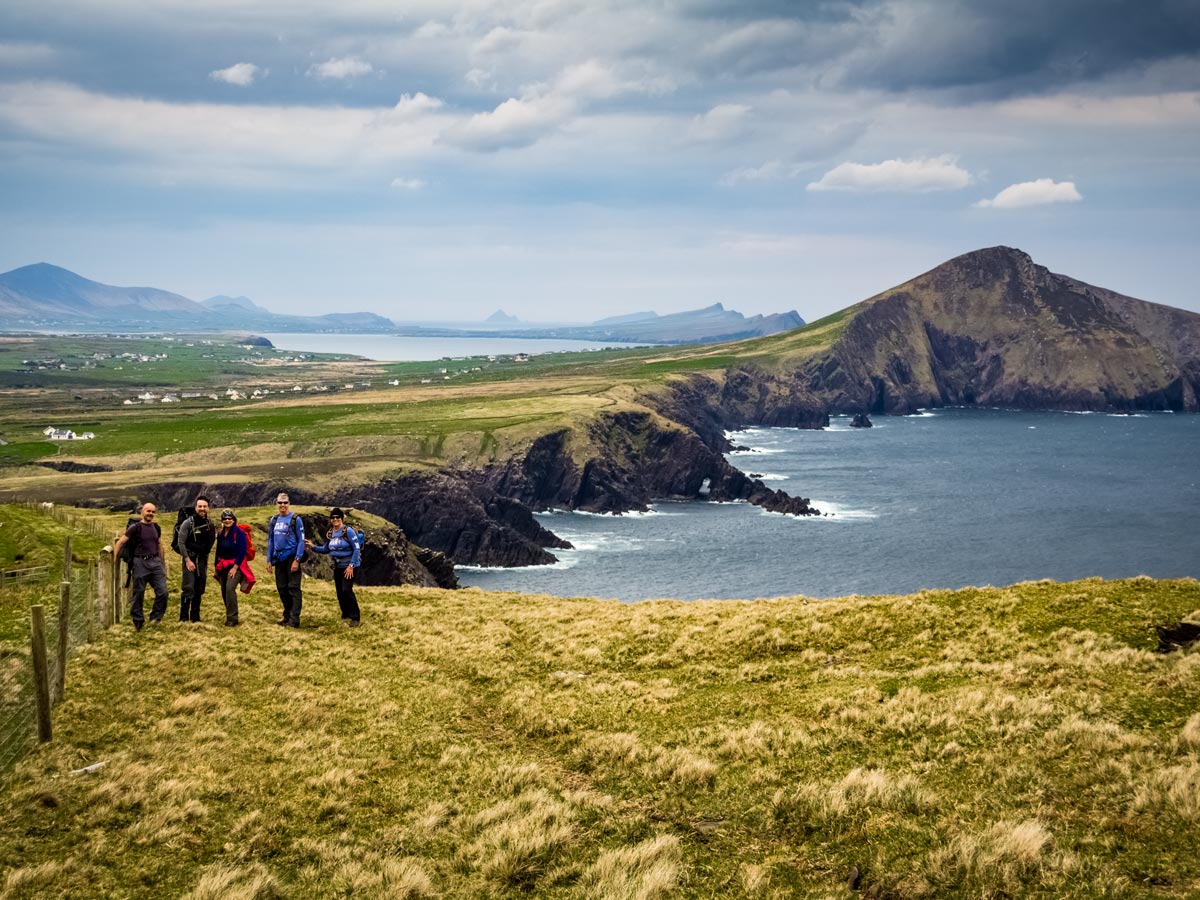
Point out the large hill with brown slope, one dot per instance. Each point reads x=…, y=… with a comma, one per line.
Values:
x=988, y=328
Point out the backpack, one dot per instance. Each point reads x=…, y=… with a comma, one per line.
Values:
x=188, y=512
x=249, y=541
x=128, y=548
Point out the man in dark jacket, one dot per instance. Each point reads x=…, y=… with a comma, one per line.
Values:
x=285, y=549
x=149, y=564
x=196, y=536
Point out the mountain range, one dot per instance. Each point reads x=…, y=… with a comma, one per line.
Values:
x=45, y=296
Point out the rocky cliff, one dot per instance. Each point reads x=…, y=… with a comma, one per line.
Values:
x=992, y=328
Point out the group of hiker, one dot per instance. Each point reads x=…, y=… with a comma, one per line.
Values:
x=197, y=536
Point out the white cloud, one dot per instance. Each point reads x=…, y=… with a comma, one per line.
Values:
x=242, y=74
x=410, y=105
x=407, y=184
x=938, y=173
x=1034, y=193
x=514, y=123
x=224, y=142
x=774, y=170
x=720, y=122
x=340, y=69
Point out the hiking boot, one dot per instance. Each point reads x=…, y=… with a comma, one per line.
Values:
x=282, y=622
x=354, y=623
x=293, y=623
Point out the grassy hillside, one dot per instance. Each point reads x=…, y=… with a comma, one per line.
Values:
x=978, y=743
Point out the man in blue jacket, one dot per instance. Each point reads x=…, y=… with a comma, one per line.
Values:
x=285, y=549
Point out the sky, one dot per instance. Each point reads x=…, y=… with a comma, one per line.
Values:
x=566, y=160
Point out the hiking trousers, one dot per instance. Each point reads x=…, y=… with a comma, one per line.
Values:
x=287, y=583
x=345, y=592
x=148, y=569
x=230, y=580
x=192, y=591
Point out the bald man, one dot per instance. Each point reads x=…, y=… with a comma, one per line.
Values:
x=149, y=564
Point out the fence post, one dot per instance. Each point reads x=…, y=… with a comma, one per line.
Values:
x=104, y=587
x=66, y=576
x=90, y=605
x=64, y=636
x=41, y=675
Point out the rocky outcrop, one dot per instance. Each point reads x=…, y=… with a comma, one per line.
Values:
x=992, y=328
x=387, y=557
x=861, y=420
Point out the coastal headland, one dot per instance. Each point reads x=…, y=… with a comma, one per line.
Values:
x=460, y=458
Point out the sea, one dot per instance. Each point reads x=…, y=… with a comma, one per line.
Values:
x=401, y=348
x=943, y=499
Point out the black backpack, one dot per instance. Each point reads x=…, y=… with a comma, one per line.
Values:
x=186, y=513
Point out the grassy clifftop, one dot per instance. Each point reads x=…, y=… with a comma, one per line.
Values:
x=1025, y=741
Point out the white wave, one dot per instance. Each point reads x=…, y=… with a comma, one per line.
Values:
x=832, y=512
x=750, y=450
x=767, y=476
x=923, y=414
x=607, y=541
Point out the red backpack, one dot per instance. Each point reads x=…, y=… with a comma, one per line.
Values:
x=249, y=541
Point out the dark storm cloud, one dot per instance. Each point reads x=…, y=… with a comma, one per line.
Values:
x=978, y=47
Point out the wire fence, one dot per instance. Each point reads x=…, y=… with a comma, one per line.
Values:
x=73, y=611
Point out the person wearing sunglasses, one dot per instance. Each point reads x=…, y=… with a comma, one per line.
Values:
x=285, y=549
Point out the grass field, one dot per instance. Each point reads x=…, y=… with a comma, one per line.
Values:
x=1019, y=742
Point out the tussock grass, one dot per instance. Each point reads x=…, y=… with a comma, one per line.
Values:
x=1017, y=742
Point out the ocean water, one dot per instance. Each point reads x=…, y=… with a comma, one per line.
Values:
x=945, y=499
x=402, y=348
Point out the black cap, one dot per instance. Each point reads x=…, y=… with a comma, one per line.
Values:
x=336, y=513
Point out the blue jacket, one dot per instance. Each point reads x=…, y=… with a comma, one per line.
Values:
x=231, y=544
x=342, y=547
x=285, y=541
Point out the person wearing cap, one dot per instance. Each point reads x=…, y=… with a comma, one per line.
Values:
x=341, y=543
x=231, y=553
x=285, y=549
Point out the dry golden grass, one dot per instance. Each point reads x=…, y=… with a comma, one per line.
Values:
x=981, y=743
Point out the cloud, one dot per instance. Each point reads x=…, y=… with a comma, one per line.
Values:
x=938, y=173
x=341, y=69
x=775, y=170
x=242, y=74
x=1033, y=193
x=720, y=122
x=407, y=184
x=514, y=123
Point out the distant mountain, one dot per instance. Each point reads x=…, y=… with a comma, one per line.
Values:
x=625, y=320
x=221, y=301
x=713, y=323
x=698, y=326
x=500, y=317
x=48, y=296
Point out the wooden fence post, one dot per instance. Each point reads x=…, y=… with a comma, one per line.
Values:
x=104, y=587
x=89, y=606
x=64, y=638
x=41, y=674
x=66, y=576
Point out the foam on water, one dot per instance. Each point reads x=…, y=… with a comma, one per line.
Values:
x=833, y=511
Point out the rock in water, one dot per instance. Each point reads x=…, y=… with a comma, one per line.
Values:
x=860, y=420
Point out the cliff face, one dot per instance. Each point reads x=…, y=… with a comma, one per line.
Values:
x=991, y=328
